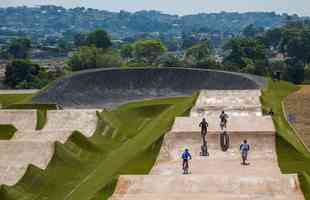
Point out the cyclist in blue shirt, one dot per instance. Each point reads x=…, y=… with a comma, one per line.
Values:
x=244, y=148
x=186, y=156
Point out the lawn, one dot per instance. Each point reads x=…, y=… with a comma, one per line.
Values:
x=297, y=105
x=8, y=99
x=293, y=157
x=127, y=141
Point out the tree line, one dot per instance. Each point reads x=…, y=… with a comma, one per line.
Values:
x=256, y=51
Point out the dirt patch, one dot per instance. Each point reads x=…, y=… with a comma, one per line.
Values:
x=298, y=110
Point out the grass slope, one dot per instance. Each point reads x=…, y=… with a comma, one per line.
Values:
x=293, y=157
x=7, y=131
x=127, y=140
x=8, y=99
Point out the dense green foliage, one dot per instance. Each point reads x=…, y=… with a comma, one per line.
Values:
x=293, y=157
x=7, y=131
x=148, y=50
x=199, y=54
x=246, y=55
x=252, y=31
x=19, y=48
x=127, y=140
x=23, y=74
x=99, y=39
x=89, y=57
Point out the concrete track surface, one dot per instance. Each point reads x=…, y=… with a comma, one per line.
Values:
x=29, y=146
x=221, y=175
x=111, y=87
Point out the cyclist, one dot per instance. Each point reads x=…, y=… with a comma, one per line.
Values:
x=223, y=118
x=186, y=156
x=244, y=148
x=204, y=130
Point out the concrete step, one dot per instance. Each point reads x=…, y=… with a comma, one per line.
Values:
x=240, y=124
x=233, y=101
x=232, y=112
x=21, y=119
x=19, y=153
x=15, y=156
x=203, y=196
x=216, y=166
x=84, y=121
x=43, y=136
x=258, y=142
x=261, y=149
x=209, y=184
x=9, y=175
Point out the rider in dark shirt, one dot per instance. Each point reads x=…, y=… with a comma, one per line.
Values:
x=223, y=118
x=204, y=129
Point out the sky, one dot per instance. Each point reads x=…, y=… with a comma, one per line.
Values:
x=181, y=7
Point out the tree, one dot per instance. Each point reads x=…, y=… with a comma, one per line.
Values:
x=25, y=74
x=273, y=37
x=246, y=55
x=93, y=57
x=63, y=45
x=252, y=31
x=20, y=48
x=99, y=38
x=127, y=51
x=80, y=39
x=295, y=71
x=199, y=53
x=149, y=50
x=296, y=44
x=170, y=60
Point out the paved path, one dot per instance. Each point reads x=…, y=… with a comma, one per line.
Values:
x=221, y=175
x=29, y=146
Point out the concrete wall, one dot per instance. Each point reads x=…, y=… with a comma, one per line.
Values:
x=112, y=87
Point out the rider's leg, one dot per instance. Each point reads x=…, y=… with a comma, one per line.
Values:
x=203, y=135
x=243, y=157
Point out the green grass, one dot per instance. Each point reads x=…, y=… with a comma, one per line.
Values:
x=127, y=141
x=7, y=131
x=8, y=99
x=41, y=118
x=293, y=157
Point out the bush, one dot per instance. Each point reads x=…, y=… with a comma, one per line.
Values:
x=93, y=57
x=23, y=74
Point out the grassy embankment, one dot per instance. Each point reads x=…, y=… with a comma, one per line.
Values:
x=297, y=105
x=293, y=157
x=127, y=141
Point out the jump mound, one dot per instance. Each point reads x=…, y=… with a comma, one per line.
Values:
x=112, y=87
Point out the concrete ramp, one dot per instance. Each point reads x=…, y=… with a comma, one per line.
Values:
x=84, y=121
x=21, y=119
x=239, y=124
x=219, y=176
x=29, y=146
x=208, y=184
x=234, y=102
